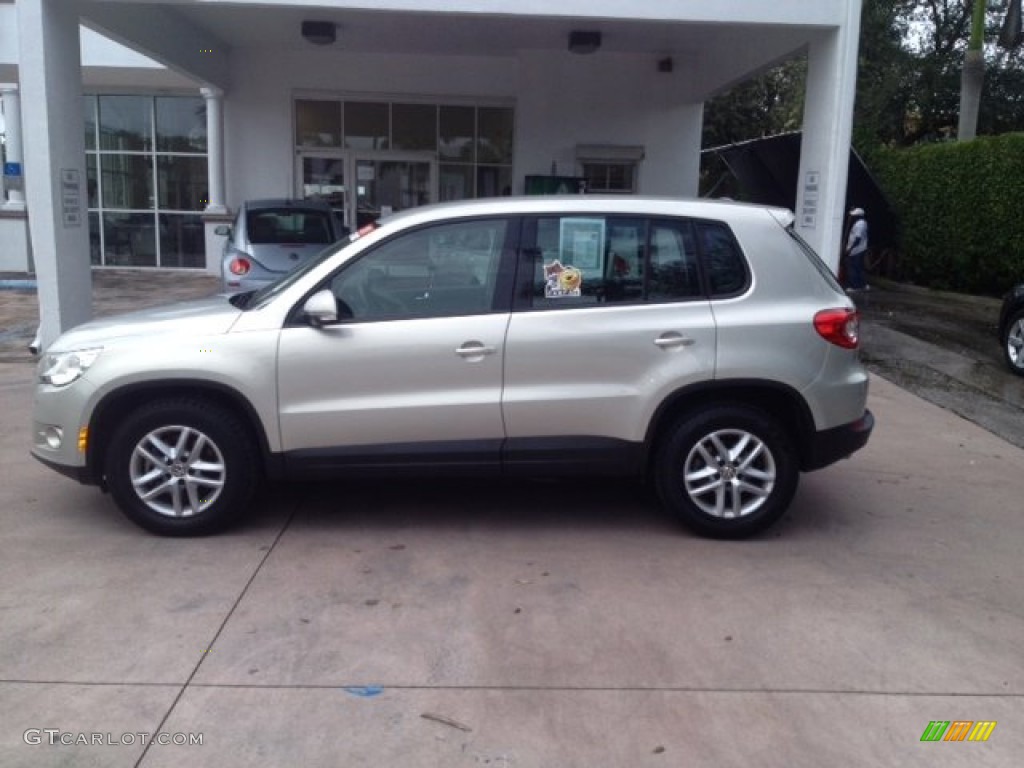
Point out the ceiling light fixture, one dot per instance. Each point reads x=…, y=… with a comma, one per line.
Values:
x=584, y=42
x=319, y=32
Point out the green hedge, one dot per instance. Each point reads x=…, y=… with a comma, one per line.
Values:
x=961, y=211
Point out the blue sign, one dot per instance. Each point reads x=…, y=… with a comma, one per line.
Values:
x=12, y=169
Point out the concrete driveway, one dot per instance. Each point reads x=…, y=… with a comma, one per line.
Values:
x=533, y=624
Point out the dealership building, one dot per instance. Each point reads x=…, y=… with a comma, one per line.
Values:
x=134, y=128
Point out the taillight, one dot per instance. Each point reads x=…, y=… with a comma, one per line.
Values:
x=839, y=326
x=239, y=266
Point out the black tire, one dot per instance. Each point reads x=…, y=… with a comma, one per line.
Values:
x=1013, y=343
x=194, y=487
x=719, y=493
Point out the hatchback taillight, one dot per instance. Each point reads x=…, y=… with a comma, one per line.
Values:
x=839, y=326
x=239, y=266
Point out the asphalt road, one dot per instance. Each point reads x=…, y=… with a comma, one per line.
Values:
x=943, y=348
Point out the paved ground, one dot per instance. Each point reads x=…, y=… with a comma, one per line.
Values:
x=943, y=347
x=533, y=624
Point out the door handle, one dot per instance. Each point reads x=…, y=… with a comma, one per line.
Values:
x=474, y=349
x=672, y=339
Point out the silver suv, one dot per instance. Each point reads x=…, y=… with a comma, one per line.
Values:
x=700, y=346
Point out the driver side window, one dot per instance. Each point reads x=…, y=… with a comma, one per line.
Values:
x=438, y=271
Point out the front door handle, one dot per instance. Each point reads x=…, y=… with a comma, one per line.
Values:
x=471, y=349
x=673, y=339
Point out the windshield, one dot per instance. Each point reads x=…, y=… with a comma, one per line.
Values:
x=261, y=297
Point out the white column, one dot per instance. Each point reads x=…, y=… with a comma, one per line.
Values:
x=12, y=129
x=827, y=131
x=50, y=69
x=215, y=148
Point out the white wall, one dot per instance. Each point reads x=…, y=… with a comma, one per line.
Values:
x=561, y=100
x=567, y=100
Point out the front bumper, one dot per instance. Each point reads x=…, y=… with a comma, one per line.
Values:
x=831, y=445
x=81, y=474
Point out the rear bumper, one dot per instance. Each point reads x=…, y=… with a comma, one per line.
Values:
x=831, y=445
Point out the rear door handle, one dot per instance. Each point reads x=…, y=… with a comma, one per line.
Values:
x=673, y=339
x=474, y=349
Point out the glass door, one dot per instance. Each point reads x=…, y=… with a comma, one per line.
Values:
x=322, y=177
x=386, y=183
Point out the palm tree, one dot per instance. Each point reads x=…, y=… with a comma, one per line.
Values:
x=973, y=77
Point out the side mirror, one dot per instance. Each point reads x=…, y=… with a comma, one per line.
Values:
x=321, y=309
x=223, y=230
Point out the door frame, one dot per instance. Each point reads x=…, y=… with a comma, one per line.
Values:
x=351, y=158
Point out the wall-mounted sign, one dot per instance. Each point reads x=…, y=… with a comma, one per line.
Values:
x=71, y=197
x=809, y=210
x=12, y=170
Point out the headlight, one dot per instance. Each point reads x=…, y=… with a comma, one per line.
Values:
x=62, y=368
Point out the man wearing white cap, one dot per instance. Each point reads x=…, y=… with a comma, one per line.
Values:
x=856, y=250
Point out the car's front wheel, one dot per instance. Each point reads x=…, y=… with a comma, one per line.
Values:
x=181, y=467
x=727, y=471
x=1013, y=343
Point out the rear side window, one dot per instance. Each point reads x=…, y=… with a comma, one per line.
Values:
x=288, y=226
x=583, y=260
x=815, y=260
x=723, y=261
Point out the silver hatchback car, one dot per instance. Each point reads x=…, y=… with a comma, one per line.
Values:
x=269, y=238
x=700, y=346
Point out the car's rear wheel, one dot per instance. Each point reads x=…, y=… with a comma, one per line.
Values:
x=1013, y=343
x=727, y=471
x=181, y=467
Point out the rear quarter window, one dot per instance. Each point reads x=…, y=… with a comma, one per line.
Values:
x=815, y=259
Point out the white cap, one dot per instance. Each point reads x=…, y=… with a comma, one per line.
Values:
x=857, y=212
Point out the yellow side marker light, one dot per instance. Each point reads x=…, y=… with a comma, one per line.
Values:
x=83, y=439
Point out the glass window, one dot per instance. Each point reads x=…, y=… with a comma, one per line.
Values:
x=366, y=125
x=458, y=134
x=672, y=263
x=180, y=124
x=286, y=225
x=182, y=240
x=494, y=139
x=446, y=270
x=127, y=181
x=414, y=127
x=125, y=123
x=318, y=123
x=727, y=271
x=95, y=243
x=151, y=162
x=456, y=182
x=89, y=108
x=183, y=182
x=610, y=177
x=91, y=185
x=588, y=260
x=493, y=180
x=129, y=239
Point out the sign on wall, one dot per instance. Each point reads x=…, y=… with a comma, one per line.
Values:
x=809, y=211
x=71, y=197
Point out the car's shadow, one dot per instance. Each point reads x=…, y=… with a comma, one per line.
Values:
x=540, y=505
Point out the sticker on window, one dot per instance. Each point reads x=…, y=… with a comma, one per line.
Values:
x=561, y=281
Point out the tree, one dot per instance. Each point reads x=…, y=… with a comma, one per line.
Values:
x=973, y=77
